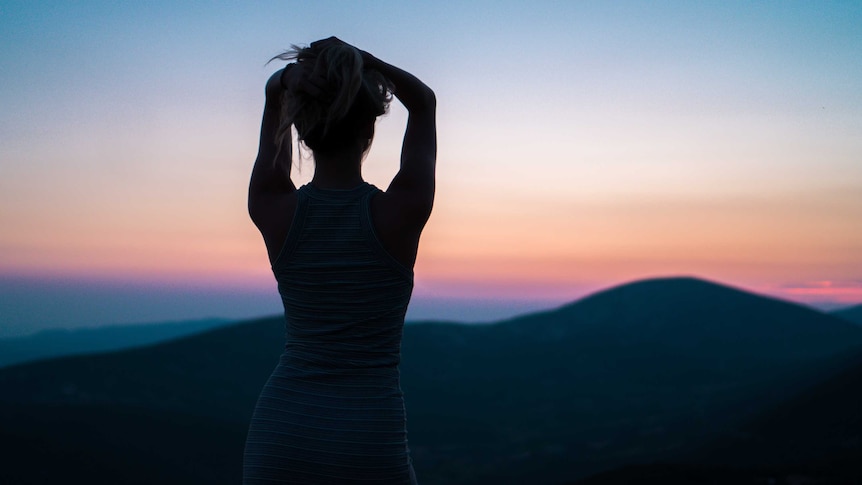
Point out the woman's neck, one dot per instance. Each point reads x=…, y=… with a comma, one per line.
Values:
x=337, y=170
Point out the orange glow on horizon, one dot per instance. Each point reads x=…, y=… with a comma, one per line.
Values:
x=838, y=291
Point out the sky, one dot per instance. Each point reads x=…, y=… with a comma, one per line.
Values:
x=581, y=145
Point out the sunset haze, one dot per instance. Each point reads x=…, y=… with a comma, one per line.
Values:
x=581, y=145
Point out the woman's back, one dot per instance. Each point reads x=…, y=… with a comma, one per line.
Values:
x=344, y=296
x=332, y=410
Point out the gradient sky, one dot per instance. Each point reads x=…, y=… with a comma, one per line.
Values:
x=581, y=145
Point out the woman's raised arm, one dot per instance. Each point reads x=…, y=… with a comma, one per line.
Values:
x=270, y=177
x=413, y=186
x=411, y=192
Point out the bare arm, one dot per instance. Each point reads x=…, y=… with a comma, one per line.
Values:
x=270, y=178
x=411, y=191
x=413, y=186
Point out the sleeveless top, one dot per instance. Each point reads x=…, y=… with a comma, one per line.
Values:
x=344, y=296
x=333, y=411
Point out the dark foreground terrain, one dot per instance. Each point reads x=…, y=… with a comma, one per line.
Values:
x=673, y=380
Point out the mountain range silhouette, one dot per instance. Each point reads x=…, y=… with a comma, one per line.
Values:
x=60, y=342
x=648, y=382
x=852, y=314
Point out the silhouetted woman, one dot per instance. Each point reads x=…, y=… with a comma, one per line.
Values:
x=342, y=252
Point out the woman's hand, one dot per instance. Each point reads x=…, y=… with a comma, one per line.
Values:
x=329, y=41
x=295, y=78
x=367, y=59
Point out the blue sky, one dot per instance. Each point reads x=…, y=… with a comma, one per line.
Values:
x=581, y=144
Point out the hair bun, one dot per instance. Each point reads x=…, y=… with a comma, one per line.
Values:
x=334, y=98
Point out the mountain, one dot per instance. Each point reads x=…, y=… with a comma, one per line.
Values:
x=852, y=314
x=61, y=342
x=638, y=373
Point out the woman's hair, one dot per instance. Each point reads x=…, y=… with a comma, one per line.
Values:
x=345, y=100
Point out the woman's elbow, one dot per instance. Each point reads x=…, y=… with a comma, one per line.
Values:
x=430, y=99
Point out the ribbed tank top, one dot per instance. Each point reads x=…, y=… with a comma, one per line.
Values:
x=332, y=412
x=344, y=296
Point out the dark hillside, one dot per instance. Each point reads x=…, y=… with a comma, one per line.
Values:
x=821, y=427
x=61, y=342
x=639, y=372
x=88, y=444
x=851, y=314
x=813, y=437
x=217, y=373
x=634, y=374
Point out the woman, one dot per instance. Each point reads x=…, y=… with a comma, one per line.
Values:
x=342, y=252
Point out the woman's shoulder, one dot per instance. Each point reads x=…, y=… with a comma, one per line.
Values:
x=274, y=217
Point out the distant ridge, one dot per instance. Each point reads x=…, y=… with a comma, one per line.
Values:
x=851, y=314
x=634, y=374
x=62, y=342
x=689, y=312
